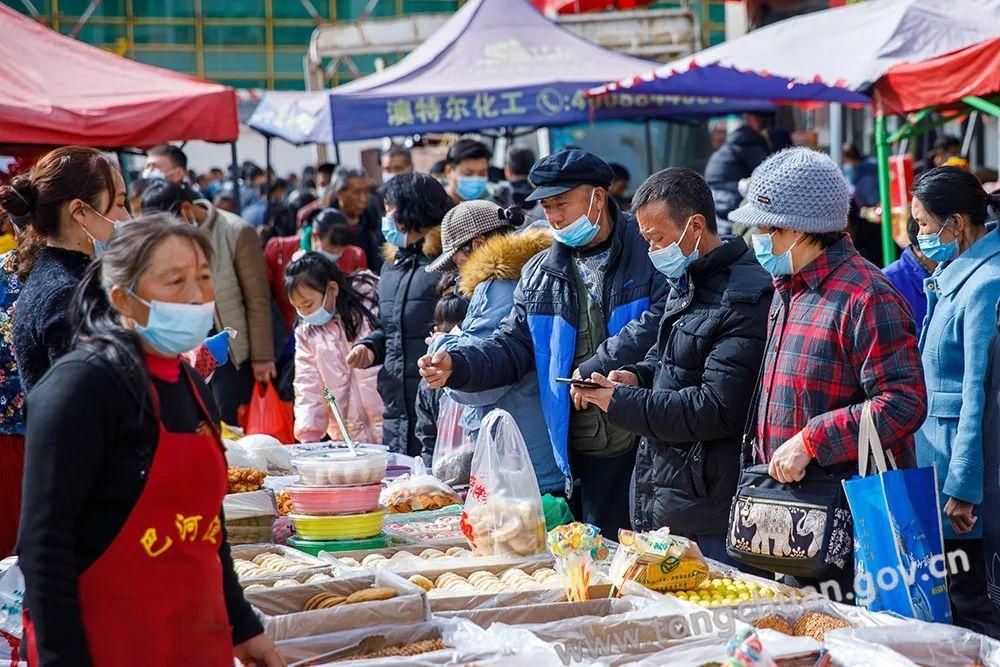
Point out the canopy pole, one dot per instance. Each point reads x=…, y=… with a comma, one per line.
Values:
x=123, y=166
x=336, y=152
x=649, y=148
x=234, y=170
x=836, y=132
x=882, y=157
x=267, y=162
x=980, y=104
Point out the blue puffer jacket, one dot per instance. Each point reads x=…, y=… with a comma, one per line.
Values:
x=490, y=276
x=541, y=330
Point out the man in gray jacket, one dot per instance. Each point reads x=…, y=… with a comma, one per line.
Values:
x=242, y=295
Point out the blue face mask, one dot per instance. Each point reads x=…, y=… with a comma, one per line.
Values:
x=581, y=231
x=320, y=316
x=471, y=187
x=930, y=245
x=101, y=246
x=332, y=256
x=671, y=261
x=776, y=265
x=176, y=328
x=391, y=232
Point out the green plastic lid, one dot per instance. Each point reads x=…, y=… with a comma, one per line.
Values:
x=313, y=547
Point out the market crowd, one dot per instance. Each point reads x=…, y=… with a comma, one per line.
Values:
x=634, y=340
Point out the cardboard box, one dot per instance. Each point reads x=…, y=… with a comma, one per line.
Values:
x=322, y=649
x=544, y=613
x=280, y=610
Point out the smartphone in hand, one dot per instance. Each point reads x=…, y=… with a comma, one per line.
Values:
x=577, y=382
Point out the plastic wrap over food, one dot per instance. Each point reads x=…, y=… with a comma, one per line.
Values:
x=248, y=505
x=911, y=643
x=261, y=452
x=352, y=645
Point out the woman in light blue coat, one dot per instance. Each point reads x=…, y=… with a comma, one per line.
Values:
x=481, y=240
x=951, y=209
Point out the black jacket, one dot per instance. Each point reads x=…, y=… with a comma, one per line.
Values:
x=42, y=332
x=428, y=407
x=696, y=387
x=736, y=159
x=407, y=296
x=540, y=332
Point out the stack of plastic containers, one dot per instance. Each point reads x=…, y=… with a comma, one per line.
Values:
x=335, y=505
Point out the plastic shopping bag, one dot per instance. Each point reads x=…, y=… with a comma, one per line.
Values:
x=270, y=415
x=898, y=546
x=453, y=449
x=418, y=491
x=503, y=511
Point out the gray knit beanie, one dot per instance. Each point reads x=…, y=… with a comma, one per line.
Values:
x=797, y=188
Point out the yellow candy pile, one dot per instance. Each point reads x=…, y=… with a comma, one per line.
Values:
x=728, y=592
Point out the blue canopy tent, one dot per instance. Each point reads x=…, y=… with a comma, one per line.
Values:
x=494, y=64
x=298, y=118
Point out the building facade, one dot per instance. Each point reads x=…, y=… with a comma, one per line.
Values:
x=246, y=44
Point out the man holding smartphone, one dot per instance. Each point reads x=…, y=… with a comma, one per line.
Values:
x=690, y=397
x=592, y=297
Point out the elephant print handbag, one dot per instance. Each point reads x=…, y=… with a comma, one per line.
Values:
x=801, y=529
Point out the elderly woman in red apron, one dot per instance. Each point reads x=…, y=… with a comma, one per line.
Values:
x=122, y=543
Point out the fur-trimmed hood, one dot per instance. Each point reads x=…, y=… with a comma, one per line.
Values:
x=431, y=247
x=501, y=258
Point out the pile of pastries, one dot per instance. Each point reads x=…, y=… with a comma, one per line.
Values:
x=330, y=600
x=243, y=480
x=485, y=582
x=419, y=497
x=502, y=527
x=318, y=578
x=379, y=561
x=441, y=528
x=265, y=564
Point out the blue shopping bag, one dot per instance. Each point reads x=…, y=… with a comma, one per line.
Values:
x=898, y=545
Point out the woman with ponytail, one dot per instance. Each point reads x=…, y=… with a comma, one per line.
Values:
x=122, y=541
x=952, y=211
x=72, y=200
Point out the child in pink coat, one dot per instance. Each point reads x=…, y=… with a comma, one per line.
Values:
x=335, y=311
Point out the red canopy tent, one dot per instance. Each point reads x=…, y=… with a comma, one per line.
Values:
x=56, y=90
x=970, y=72
x=553, y=7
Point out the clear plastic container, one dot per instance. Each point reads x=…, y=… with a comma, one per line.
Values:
x=334, y=499
x=342, y=527
x=341, y=468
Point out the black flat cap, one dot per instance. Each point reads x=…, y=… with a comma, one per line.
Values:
x=561, y=172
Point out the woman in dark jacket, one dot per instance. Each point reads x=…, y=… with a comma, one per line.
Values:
x=415, y=205
x=74, y=198
x=122, y=541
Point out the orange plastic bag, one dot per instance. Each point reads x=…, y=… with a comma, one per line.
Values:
x=270, y=415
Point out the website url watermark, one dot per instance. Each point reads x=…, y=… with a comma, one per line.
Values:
x=722, y=621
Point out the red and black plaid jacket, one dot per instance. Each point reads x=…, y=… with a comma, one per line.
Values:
x=840, y=334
